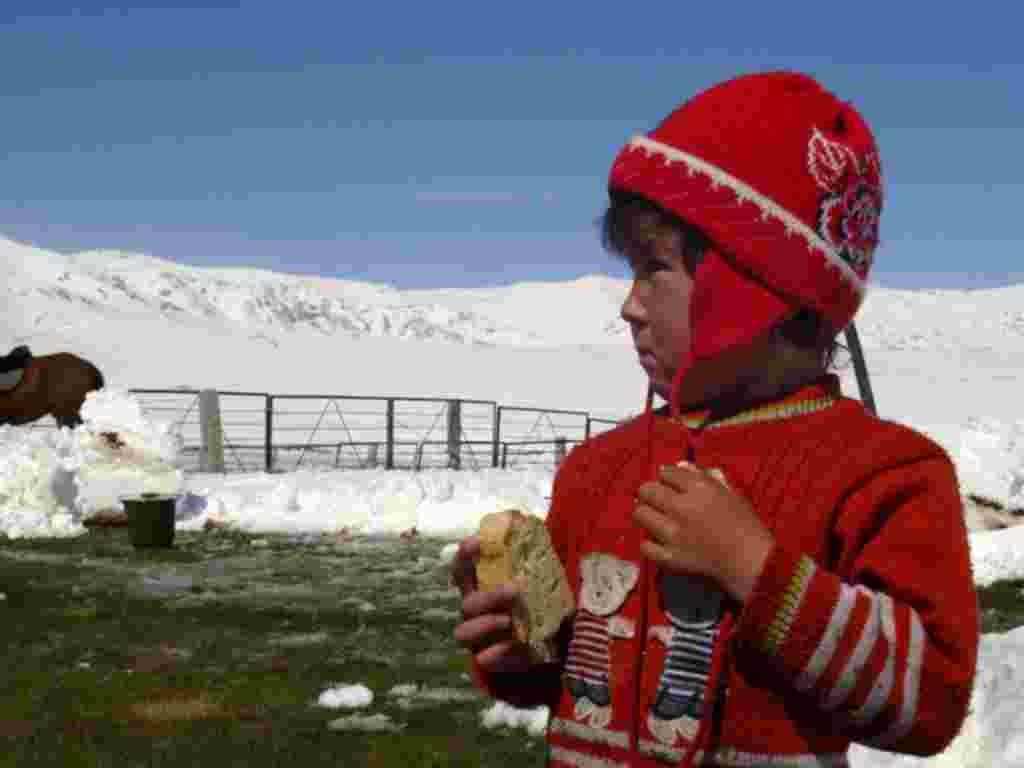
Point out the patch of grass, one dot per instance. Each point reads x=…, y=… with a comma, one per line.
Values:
x=214, y=653
x=1002, y=606
x=110, y=543
x=118, y=657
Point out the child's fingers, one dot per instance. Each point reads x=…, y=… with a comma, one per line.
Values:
x=680, y=476
x=463, y=567
x=658, y=525
x=474, y=632
x=469, y=547
x=481, y=633
x=655, y=552
x=500, y=600
x=486, y=618
x=685, y=476
x=663, y=493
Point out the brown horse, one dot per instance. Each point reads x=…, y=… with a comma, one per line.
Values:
x=49, y=385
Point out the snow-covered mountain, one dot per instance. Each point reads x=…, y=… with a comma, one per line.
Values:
x=274, y=306
x=47, y=287
x=148, y=322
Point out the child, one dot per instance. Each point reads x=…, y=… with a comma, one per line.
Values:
x=766, y=572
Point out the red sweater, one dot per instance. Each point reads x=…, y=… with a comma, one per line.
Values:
x=863, y=624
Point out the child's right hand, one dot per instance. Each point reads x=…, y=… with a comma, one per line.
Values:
x=486, y=628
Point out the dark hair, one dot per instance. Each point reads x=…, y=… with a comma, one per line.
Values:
x=806, y=330
x=615, y=229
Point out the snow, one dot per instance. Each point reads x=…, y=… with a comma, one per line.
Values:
x=346, y=696
x=992, y=734
x=946, y=363
x=997, y=555
x=500, y=714
x=50, y=481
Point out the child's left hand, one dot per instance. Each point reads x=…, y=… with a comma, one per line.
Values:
x=697, y=525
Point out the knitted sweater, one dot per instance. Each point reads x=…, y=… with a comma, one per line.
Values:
x=862, y=626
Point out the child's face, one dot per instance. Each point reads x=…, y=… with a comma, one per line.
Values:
x=657, y=307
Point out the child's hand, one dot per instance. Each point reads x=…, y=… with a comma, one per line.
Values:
x=697, y=525
x=486, y=629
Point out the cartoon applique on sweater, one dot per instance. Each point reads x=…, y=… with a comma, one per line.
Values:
x=605, y=582
x=694, y=609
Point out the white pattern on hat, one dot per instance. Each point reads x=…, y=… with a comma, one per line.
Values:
x=745, y=193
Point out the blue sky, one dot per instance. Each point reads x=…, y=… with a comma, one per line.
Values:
x=468, y=144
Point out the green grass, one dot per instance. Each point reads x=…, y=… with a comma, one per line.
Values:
x=1002, y=606
x=214, y=653
x=223, y=667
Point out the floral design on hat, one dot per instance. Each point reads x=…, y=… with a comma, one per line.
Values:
x=784, y=179
x=849, y=210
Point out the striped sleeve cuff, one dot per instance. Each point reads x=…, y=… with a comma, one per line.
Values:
x=850, y=649
x=769, y=616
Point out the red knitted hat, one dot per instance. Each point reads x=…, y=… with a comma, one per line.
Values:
x=785, y=180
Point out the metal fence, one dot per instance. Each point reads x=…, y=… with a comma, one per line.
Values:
x=284, y=433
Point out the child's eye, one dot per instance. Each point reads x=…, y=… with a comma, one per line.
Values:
x=651, y=266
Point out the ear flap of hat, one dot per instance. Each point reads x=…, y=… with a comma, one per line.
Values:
x=728, y=309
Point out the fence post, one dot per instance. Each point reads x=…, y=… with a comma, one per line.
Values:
x=496, y=437
x=586, y=431
x=389, y=428
x=418, y=461
x=454, y=434
x=211, y=452
x=559, y=451
x=372, y=458
x=268, y=438
x=504, y=455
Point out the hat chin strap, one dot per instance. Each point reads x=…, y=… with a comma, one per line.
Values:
x=675, y=407
x=677, y=382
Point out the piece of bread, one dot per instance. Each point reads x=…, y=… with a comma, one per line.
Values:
x=517, y=548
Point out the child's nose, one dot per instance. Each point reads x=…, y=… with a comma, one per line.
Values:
x=632, y=308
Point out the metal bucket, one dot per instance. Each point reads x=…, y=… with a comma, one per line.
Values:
x=151, y=517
